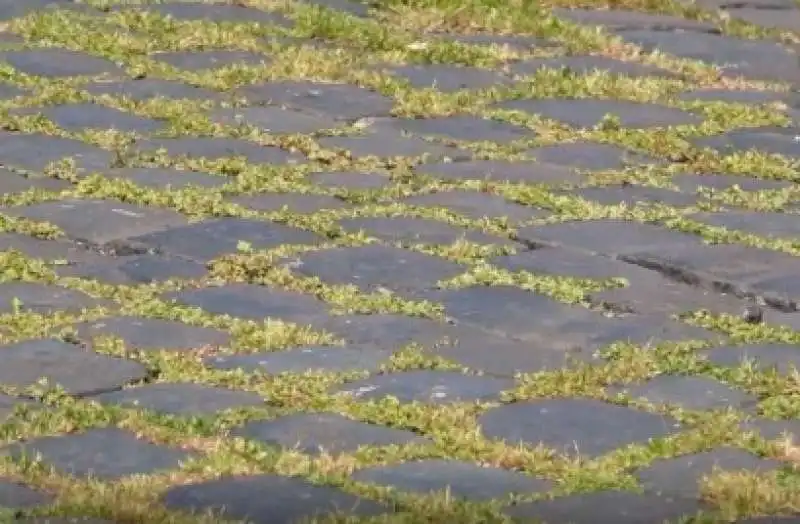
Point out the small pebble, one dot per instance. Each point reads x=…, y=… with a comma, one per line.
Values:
x=753, y=314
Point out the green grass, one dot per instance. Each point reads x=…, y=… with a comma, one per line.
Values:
x=392, y=37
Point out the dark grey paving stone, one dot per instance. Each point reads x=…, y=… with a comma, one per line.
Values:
x=520, y=43
x=728, y=95
x=143, y=269
x=698, y=182
x=780, y=225
x=316, y=433
x=500, y=171
x=148, y=334
x=374, y=267
x=565, y=262
x=82, y=116
x=459, y=127
x=784, y=358
x=181, y=399
x=697, y=393
x=354, y=8
x=165, y=179
x=106, y=453
x=631, y=195
x=267, y=499
x=611, y=237
x=218, y=13
x=9, y=92
x=772, y=140
x=461, y=479
x=680, y=476
x=338, y=101
x=58, y=63
x=273, y=120
x=770, y=429
x=735, y=57
x=10, y=9
x=202, y=60
x=350, y=180
x=59, y=251
x=574, y=426
x=11, y=182
x=205, y=241
x=622, y=507
x=144, y=89
x=472, y=204
x=621, y=19
x=448, y=78
x=35, y=153
x=589, y=156
x=586, y=65
x=100, y=221
x=218, y=148
x=787, y=20
x=586, y=113
x=16, y=496
x=303, y=360
x=43, y=299
x=251, y=301
x=409, y=231
x=79, y=371
x=434, y=387
x=385, y=143
x=293, y=202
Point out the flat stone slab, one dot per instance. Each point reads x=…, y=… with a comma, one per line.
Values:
x=349, y=180
x=337, y=101
x=144, y=89
x=353, y=8
x=622, y=19
x=372, y=268
x=204, y=60
x=459, y=127
x=87, y=116
x=631, y=195
x=107, y=454
x=700, y=182
x=586, y=113
x=622, y=507
x=448, y=78
x=784, y=358
x=292, y=202
x=316, y=433
x=305, y=360
x=770, y=140
x=254, y=302
x=273, y=120
x=410, y=231
x=574, y=426
x=749, y=96
x=765, y=224
x=477, y=206
x=218, y=13
x=166, y=179
x=586, y=65
x=16, y=496
x=43, y=299
x=461, y=479
x=143, y=269
x=79, y=371
x=149, y=334
x=219, y=148
x=267, y=499
x=786, y=20
x=386, y=143
x=35, y=153
x=770, y=429
x=697, y=393
x=589, y=156
x=99, y=222
x=502, y=171
x=207, y=240
x=434, y=387
x=680, y=476
x=180, y=399
x=58, y=63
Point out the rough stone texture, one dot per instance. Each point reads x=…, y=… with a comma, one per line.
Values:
x=292, y=202
x=217, y=148
x=688, y=392
x=383, y=143
x=466, y=128
x=81, y=117
x=477, y=206
x=273, y=120
x=147, y=334
x=144, y=269
x=588, y=156
x=302, y=360
x=631, y=195
x=37, y=153
x=408, y=230
x=58, y=63
x=148, y=88
x=316, y=433
x=290, y=499
x=180, y=399
x=43, y=298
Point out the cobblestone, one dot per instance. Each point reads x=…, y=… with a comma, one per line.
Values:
x=426, y=262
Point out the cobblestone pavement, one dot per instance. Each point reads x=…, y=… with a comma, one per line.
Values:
x=431, y=261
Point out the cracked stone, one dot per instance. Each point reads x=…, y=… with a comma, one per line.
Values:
x=292, y=202
x=290, y=499
x=83, y=116
x=144, y=89
x=184, y=399
x=459, y=127
x=80, y=372
x=338, y=101
x=460, y=479
x=448, y=78
x=575, y=426
x=219, y=148
x=305, y=360
x=409, y=231
x=43, y=299
x=477, y=206
x=254, y=302
x=273, y=120
x=58, y=63
x=781, y=357
x=696, y=393
x=35, y=153
x=587, y=113
x=587, y=65
x=151, y=334
x=316, y=433
x=207, y=240
x=100, y=222
x=204, y=60
x=435, y=387
x=589, y=156
x=106, y=453
x=680, y=476
x=500, y=171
